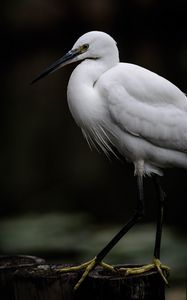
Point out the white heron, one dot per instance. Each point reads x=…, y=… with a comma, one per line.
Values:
x=127, y=107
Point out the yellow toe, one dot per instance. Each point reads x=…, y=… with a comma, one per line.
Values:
x=162, y=269
x=87, y=267
x=74, y=268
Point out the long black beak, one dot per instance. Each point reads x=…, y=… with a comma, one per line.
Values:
x=57, y=64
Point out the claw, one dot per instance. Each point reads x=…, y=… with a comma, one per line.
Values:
x=139, y=270
x=88, y=266
x=106, y=266
x=75, y=268
x=92, y=264
x=161, y=268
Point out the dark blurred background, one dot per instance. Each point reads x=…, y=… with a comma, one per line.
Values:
x=52, y=185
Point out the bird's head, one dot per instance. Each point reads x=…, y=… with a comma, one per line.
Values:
x=91, y=45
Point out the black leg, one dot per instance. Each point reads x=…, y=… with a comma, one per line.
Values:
x=135, y=218
x=161, y=198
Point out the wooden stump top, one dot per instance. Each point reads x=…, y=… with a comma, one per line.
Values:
x=30, y=278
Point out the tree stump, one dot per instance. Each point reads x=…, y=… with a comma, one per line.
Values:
x=30, y=278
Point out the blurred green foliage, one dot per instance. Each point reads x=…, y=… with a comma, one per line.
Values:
x=45, y=164
x=74, y=237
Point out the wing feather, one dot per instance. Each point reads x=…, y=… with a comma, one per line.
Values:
x=145, y=104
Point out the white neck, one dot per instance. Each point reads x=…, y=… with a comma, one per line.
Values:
x=83, y=100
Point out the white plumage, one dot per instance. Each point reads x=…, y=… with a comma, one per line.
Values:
x=124, y=106
x=139, y=112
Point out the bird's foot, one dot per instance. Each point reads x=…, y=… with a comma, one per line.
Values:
x=156, y=264
x=87, y=267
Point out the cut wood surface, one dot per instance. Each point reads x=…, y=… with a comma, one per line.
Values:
x=31, y=278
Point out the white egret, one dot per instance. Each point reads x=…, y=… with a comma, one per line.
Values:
x=127, y=107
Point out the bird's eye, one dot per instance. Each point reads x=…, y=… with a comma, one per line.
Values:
x=84, y=47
